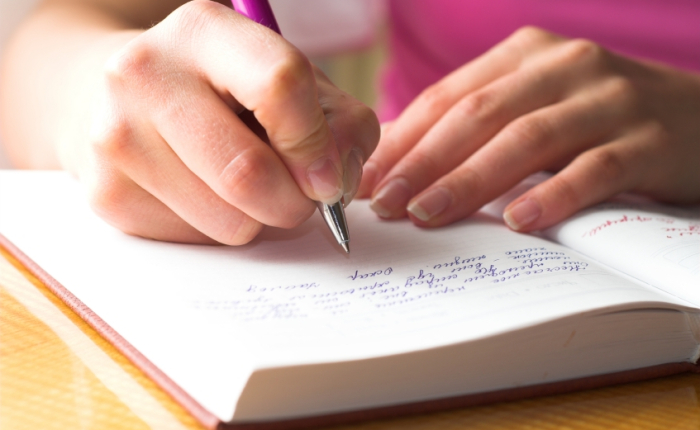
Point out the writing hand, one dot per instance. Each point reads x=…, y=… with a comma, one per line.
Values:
x=179, y=142
x=537, y=101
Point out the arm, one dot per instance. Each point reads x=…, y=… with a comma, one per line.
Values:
x=53, y=65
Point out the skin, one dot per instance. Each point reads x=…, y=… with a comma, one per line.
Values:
x=603, y=122
x=157, y=123
x=202, y=128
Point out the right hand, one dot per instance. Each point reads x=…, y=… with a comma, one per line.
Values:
x=211, y=126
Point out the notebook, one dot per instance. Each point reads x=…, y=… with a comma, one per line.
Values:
x=289, y=332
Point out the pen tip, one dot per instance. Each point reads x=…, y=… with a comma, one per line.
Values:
x=346, y=246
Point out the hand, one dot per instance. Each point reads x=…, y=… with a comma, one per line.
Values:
x=537, y=101
x=179, y=141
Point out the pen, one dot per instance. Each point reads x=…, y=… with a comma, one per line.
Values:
x=334, y=215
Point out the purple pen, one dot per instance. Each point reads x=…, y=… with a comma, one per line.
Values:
x=334, y=215
x=259, y=11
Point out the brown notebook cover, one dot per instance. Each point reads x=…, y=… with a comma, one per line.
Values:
x=210, y=421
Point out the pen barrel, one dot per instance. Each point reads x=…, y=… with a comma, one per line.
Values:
x=335, y=220
x=259, y=11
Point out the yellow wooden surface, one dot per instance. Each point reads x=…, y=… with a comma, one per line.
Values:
x=57, y=373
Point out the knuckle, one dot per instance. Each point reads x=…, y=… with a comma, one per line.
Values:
x=112, y=200
x=658, y=134
x=479, y=105
x=194, y=16
x=140, y=60
x=583, y=51
x=135, y=64
x=240, y=232
x=565, y=191
x=436, y=97
x=421, y=166
x=608, y=163
x=362, y=114
x=533, y=132
x=469, y=185
x=622, y=90
x=530, y=36
x=289, y=75
x=527, y=40
x=237, y=229
x=198, y=8
x=244, y=175
x=112, y=140
x=307, y=146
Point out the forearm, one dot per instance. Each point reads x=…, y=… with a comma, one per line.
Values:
x=46, y=80
x=52, y=70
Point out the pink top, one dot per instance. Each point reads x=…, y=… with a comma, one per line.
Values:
x=430, y=38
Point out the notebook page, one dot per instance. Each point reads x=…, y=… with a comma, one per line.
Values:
x=654, y=243
x=207, y=316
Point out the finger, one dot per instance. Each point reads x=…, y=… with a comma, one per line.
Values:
x=212, y=141
x=525, y=146
x=192, y=200
x=172, y=183
x=437, y=99
x=356, y=131
x=592, y=177
x=128, y=207
x=467, y=126
x=369, y=179
x=231, y=159
x=269, y=77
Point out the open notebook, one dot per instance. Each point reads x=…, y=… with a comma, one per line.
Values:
x=290, y=331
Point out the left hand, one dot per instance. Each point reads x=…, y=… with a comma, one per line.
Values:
x=537, y=101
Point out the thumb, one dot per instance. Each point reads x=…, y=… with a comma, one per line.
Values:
x=297, y=128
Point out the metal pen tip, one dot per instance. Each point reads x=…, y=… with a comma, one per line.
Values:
x=334, y=215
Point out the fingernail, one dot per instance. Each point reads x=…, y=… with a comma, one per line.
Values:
x=352, y=175
x=430, y=204
x=522, y=214
x=325, y=180
x=392, y=198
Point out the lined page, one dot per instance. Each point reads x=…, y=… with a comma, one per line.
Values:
x=210, y=315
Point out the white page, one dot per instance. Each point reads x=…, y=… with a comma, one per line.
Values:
x=207, y=316
x=654, y=243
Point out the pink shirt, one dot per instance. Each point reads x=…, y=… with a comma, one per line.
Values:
x=430, y=38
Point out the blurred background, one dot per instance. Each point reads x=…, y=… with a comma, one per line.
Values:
x=345, y=38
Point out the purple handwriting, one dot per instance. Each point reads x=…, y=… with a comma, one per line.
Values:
x=459, y=263
x=256, y=289
x=385, y=287
x=358, y=275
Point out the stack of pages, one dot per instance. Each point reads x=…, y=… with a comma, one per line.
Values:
x=290, y=331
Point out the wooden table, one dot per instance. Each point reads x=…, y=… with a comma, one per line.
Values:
x=56, y=372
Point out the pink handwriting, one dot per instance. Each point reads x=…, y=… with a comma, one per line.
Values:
x=622, y=220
